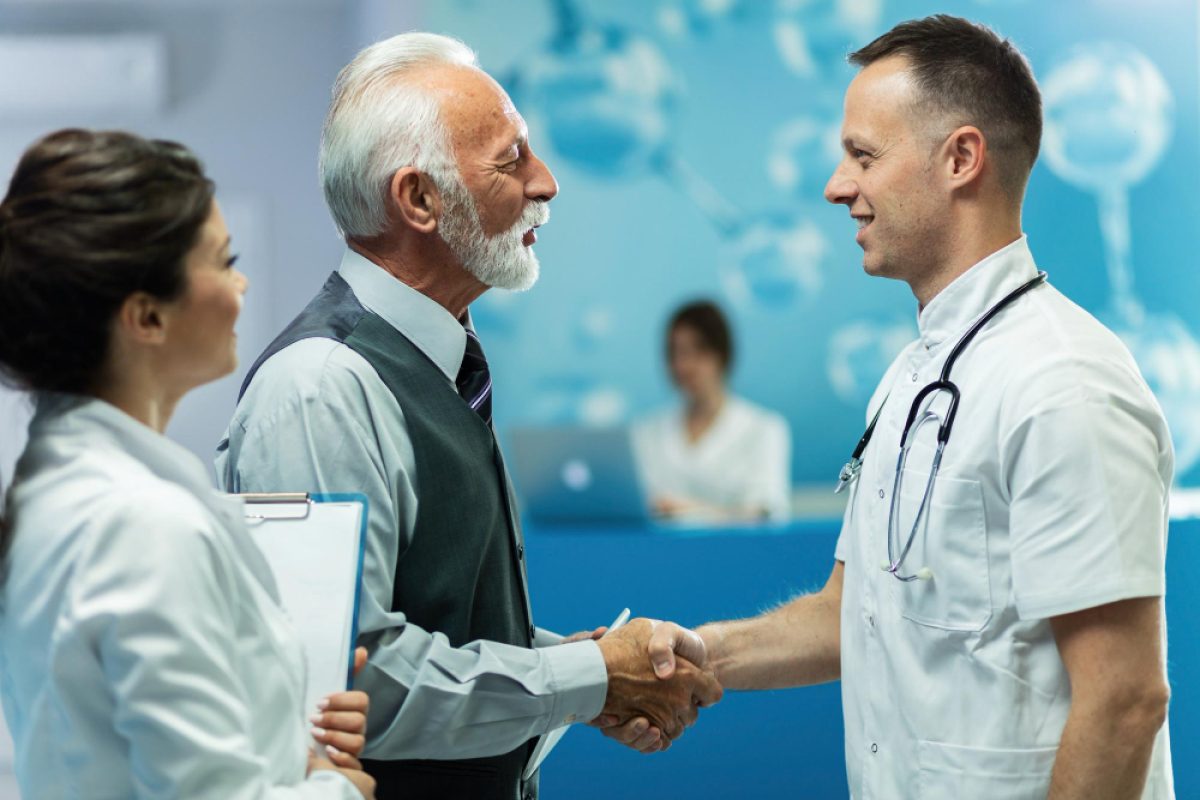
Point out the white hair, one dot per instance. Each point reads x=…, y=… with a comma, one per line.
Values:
x=379, y=122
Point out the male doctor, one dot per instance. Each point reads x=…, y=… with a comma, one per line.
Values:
x=998, y=628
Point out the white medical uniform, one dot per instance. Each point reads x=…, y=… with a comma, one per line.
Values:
x=1052, y=498
x=743, y=461
x=142, y=649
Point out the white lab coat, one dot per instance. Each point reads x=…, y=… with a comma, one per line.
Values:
x=142, y=649
x=1052, y=498
x=743, y=461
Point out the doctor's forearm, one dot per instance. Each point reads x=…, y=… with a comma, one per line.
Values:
x=1104, y=754
x=1113, y=654
x=797, y=644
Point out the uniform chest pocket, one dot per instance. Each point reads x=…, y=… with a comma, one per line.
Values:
x=951, y=542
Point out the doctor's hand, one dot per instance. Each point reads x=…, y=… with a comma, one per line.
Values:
x=340, y=723
x=667, y=640
x=639, y=700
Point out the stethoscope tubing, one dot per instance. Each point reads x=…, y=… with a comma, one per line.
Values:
x=850, y=472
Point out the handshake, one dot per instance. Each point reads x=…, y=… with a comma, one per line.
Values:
x=658, y=679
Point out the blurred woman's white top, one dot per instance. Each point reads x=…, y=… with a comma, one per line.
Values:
x=741, y=464
x=143, y=652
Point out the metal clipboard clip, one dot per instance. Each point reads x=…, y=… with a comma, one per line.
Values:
x=302, y=500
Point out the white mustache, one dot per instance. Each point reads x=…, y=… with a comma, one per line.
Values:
x=535, y=214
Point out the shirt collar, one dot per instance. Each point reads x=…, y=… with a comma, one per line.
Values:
x=974, y=292
x=422, y=320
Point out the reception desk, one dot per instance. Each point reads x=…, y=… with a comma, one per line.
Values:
x=786, y=744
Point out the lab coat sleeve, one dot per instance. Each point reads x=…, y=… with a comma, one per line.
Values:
x=428, y=698
x=1082, y=456
x=151, y=610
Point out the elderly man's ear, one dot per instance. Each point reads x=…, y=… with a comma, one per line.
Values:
x=416, y=202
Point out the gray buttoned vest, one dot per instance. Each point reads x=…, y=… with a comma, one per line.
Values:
x=463, y=574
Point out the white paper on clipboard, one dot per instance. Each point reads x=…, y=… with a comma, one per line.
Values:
x=314, y=544
x=551, y=739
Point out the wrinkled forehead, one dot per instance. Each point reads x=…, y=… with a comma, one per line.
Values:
x=474, y=108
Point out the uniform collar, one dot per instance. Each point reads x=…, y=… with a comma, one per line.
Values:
x=974, y=292
x=66, y=422
x=98, y=423
x=422, y=320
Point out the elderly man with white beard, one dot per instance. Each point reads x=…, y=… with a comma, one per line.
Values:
x=380, y=386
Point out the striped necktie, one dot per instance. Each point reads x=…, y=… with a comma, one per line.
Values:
x=474, y=382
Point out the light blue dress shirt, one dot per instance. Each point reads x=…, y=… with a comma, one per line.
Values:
x=317, y=417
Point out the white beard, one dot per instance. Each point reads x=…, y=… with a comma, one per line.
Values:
x=501, y=261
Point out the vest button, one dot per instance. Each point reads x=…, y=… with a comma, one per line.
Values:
x=520, y=552
x=532, y=631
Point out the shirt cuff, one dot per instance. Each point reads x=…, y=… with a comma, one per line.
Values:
x=545, y=638
x=579, y=680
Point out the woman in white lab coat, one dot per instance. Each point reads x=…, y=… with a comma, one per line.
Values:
x=143, y=652
x=716, y=457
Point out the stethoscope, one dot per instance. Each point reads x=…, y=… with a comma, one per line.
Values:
x=916, y=418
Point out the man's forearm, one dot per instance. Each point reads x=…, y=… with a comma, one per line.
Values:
x=1105, y=755
x=432, y=700
x=795, y=645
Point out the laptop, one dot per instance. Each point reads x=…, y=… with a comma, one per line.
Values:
x=577, y=474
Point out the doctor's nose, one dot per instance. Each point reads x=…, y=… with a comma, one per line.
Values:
x=840, y=190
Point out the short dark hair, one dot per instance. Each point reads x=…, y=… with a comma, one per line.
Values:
x=966, y=70
x=706, y=319
x=90, y=218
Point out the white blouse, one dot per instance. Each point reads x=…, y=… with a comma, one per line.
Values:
x=143, y=652
x=742, y=462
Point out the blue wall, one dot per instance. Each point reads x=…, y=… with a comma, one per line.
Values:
x=691, y=139
x=779, y=744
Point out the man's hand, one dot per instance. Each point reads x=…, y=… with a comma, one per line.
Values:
x=583, y=636
x=636, y=694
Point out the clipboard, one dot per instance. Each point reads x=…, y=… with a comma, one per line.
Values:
x=314, y=544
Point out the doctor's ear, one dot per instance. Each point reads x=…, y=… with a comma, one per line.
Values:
x=416, y=202
x=963, y=156
x=142, y=320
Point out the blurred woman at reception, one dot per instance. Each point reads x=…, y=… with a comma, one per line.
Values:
x=715, y=457
x=143, y=652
